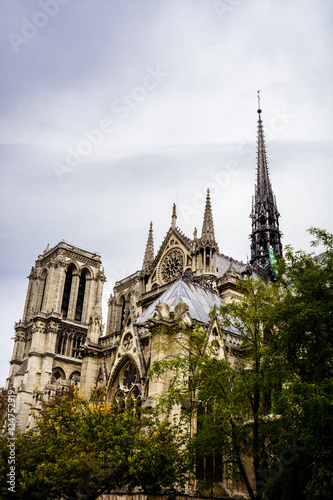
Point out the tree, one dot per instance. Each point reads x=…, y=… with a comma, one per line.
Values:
x=304, y=341
x=229, y=397
x=270, y=410
x=81, y=448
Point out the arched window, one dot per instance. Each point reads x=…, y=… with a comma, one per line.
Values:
x=75, y=346
x=43, y=285
x=127, y=385
x=207, y=257
x=80, y=297
x=208, y=466
x=62, y=343
x=263, y=242
x=67, y=292
x=58, y=374
x=75, y=378
x=123, y=310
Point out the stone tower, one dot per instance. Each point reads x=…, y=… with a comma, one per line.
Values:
x=265, y=236
x=63, y=301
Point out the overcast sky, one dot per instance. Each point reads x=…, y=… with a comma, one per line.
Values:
x=112, y=110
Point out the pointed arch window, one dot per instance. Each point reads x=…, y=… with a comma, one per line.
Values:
x=207, y=256
x=80, y=297
x=123, y=311
x=67, y=292
x=43, y=284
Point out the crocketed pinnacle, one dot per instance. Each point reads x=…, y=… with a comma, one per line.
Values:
x=149, y=253
x=207, y=233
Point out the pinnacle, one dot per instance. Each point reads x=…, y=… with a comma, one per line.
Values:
x=207, y=233
x=149, y=253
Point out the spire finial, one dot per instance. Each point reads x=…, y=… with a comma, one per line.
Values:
x=258, y=96
x=174, y=216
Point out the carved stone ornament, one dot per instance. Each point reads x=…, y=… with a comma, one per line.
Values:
x=172, y=266
x=33, y=273
x=128, y=341
x=215, y=346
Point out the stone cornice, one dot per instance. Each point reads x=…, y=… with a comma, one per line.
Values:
x=73, y=253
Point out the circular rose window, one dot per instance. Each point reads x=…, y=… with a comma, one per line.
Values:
x=172, y=266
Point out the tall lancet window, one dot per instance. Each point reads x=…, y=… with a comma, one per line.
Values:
x=80, y=297
x=67, y=292
x=43, y=287
x=123, y=311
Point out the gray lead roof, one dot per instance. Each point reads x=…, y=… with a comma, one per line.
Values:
x=199, y=299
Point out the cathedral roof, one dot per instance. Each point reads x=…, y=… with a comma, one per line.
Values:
x=223, y=264
x=200, y=300
x=187, y=242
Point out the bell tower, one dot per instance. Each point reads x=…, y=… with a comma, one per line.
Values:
x=64, y=295
x=266, y=235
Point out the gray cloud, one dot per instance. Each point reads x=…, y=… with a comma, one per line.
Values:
x=176, y=139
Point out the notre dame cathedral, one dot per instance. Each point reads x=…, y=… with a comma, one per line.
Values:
x=60, y=339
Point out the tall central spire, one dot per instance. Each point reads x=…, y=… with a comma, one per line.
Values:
x=263, y=188
x=266, y=236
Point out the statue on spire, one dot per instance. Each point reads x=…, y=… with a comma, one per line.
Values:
x=174, y=216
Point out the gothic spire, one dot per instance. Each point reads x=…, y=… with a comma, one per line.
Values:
x=207, y=232
x=206, y=248
x=149, y=253
x=263, y=188
x=265, y=224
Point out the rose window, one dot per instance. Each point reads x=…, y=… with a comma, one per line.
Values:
x=172, y=266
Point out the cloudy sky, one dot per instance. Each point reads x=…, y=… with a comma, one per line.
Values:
x=112, y=110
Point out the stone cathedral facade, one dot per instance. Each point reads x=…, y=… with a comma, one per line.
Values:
x=60, y=339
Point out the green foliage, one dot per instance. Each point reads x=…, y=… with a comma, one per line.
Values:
x=81, y=448
x=305, y=343
x=273, y=406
